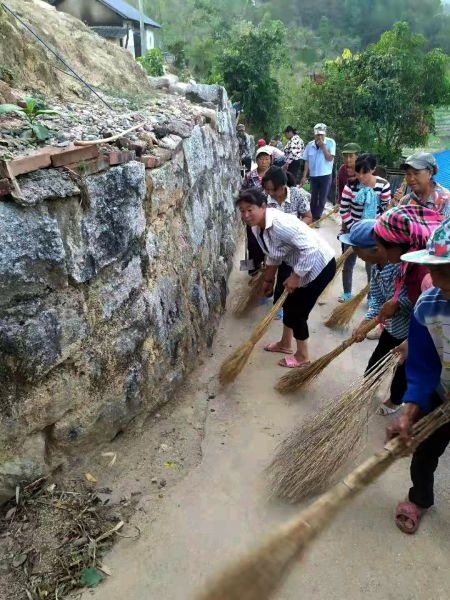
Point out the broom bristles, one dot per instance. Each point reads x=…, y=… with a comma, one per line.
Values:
x=313, y=453
x=249, y=296
x=258, y=575
x=233, y=364
x=298, y=378
x=342, y=314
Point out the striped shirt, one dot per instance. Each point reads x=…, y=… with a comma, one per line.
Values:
x=382, y=289
x=286, y=239
x=297, y=202
x=294, y=149
x=351, y=212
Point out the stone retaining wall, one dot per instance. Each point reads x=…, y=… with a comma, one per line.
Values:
x=109, y=289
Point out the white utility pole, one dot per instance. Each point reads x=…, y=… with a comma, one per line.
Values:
x=143, y=32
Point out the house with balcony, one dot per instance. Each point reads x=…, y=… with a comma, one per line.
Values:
x=115, y=20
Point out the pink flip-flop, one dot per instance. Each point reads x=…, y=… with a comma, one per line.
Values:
x=291, y=362
x=274, y=347
x=407, y=517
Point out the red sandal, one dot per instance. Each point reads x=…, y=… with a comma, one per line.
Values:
x=407, y=517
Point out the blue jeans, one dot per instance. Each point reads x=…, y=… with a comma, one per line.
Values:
x=320, y=188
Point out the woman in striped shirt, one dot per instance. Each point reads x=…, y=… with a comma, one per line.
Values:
x=284, y=238
x=365, y=198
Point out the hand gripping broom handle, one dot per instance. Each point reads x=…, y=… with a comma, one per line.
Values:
x=258, y=575
x=368, y=326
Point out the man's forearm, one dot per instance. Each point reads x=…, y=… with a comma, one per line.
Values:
x=306, y=170
x=327, y=153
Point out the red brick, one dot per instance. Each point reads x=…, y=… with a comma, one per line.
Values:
x=119, y=158
x=5, y=187
x=70, y=157
x=90, y=167
x=26, y=164
x=150, y=161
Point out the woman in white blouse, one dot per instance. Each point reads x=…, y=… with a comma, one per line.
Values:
x=284, y=238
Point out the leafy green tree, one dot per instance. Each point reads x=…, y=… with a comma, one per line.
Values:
x=384, y=97
x=247, y=67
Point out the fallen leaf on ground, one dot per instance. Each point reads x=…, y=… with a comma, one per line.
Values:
x=90, y=478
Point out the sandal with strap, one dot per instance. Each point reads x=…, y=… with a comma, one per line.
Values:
x=275, y=347
x=384, y=411
x=407, y=517
x=291, y=362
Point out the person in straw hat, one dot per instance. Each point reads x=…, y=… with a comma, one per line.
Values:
x=382, y=289
x=428, y=376
x=285, y=238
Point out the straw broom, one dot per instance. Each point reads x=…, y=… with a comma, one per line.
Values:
x=298, y=378
x=339, y=266
x=342, y=314
x=314, y=451
x=328, y=215
x=258, y=575
x=249, y=296
x=233, y=365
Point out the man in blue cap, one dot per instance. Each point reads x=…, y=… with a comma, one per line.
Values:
x=382, y=289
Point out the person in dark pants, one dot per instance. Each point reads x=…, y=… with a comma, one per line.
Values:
x=319, y=159
x=284, y=238
x=382, y=289
x=253, y=179
x=428, y=377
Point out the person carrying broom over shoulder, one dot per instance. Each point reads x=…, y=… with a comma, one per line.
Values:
x=428, y=376
x=284, y=238
x=382, y=290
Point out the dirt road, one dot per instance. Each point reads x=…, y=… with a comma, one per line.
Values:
x=216, y=505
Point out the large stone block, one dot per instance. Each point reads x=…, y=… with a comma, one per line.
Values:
x=200, y=92
x=32, y=257
x=46, y=184
x=37, y=335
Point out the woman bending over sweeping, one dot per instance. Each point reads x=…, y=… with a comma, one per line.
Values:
x=428, y=376
x=398, y=231
x=382, y=289
x=282, y=193
x=284, y=238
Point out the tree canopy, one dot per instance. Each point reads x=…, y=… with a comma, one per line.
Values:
x=383, y=98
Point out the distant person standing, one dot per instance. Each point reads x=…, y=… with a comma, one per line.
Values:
x=293, y=152
x=245, y=148
x=276, y=142
x=319, y=159
x=347, y=172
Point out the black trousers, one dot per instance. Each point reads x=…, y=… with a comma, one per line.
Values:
x=386, y=343
x=300, y=303
x=320, y=188
x=283, y=273
x=296, y=168
x=423, y=465
x=254, y=250
x=247, y=162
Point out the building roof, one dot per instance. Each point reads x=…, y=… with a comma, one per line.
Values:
x=443, y=174
x=126, y=11
x=109, y=31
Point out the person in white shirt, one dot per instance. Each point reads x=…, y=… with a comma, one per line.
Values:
x=319, y=159
x=284, y=238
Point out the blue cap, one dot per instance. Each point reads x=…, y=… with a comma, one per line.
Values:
x=360, y=235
